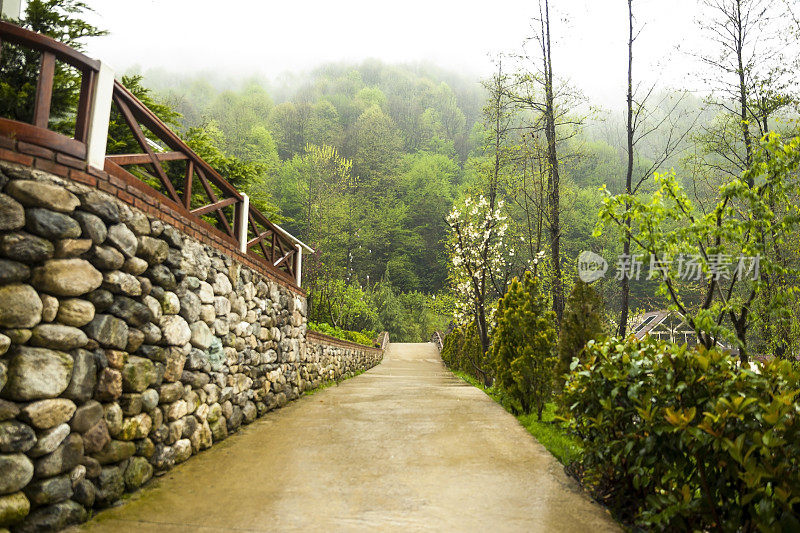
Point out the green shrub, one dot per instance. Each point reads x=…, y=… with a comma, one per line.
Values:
x=683, y=439
x=583, y=321
x=522, y=345
x=461, y=350
x=361, y=337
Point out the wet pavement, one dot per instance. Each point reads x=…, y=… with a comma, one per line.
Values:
x=406, y=446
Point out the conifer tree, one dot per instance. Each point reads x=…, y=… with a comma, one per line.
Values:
x=523, y=345
x=583, y=321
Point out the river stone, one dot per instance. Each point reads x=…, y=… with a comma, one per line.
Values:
x=36, y=373
x=24, y=247
x=190, y=306
x=84, y=493
x=183, y=450
x=130, y=403
x=170, y=303
x=136, y=427
x=110, y=486
x=96, y=437
x=49, y=307
x=112, y=414
x=170, y=392
x=12, y=271
x=135, y=266
x=221, y=285
x=163, y=457
x=175, y=330
x=106, y=258
x=109, y=385
x=99, y=204
x=149, y=399
x=47, y=491
x=13, y=508
x=22, y=307
x=117, y=281
x=152, y=250
x=116, y=358
x=163, y=277
x=123, y=238
x=135, y=340
x=66, y=457
x=18, y=336
x=206, y=293
x=46, y=414
x=67, y=277
x=72, y=247
x=152, y=335
x=91, y=226
x=134, y=313
x=137, y=374
x=12, y=214
x=51, y=225
x=201, y=335
x=75, y=312
x=84, y=376
x=173, y=368
x=138, y=472
x=101, y=299
x=115, y=451
x=16, y=437
x=58, y=337
x=8, y=410
x=109, y=331
x=86, y=416
x=40, y=194
x=49, y=440
x=17, y=472
x=222, y=306
x=5, y=344
x=219, y=429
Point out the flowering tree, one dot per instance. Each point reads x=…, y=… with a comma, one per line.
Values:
x=478, y=258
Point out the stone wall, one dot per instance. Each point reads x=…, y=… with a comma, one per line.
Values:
x=126, y=346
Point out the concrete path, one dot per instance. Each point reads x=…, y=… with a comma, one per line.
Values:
x=405, y=446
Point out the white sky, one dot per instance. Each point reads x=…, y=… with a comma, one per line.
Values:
x=270, y=38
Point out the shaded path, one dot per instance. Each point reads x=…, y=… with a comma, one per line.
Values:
x=406, y=446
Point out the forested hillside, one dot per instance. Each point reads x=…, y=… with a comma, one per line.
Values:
x=365, y=161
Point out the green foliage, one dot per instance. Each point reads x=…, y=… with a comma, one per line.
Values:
x=584, y=320
x=522, y=345
x=462, y=351
x=754, y=216
x=684, y=439
x=366, y=338
x=19, y=66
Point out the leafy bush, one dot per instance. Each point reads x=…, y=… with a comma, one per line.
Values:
x=583, y=321
x=685, y=439
x=522, y=344
x=361, y=337
x=462, y=351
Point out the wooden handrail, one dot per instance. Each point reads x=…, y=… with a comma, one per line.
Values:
x=276, y=247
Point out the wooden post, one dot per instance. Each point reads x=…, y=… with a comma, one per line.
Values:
x=243, y=214
x=298, y=266
x=101, y=113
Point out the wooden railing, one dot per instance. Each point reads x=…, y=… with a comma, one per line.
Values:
x=188, y=181
x=37, y=132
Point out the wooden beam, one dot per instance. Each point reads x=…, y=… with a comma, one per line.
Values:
x=187, y=186
x=44, y=90
x=84, y=114
x=225, y=202
x=144, y=159
x=140, y=138
x=213, y=197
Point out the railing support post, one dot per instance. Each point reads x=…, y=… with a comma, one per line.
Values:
x=101, y=114
x=298, y=266
x=243, y=214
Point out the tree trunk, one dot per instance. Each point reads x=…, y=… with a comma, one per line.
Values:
x=626, y=247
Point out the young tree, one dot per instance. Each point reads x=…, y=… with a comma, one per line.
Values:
x=583, y=321
x=477, y=253
x=730, y=251
x=522, y=345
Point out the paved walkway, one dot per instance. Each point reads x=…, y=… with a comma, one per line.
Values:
x=405, y=446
